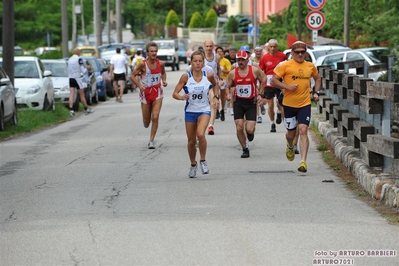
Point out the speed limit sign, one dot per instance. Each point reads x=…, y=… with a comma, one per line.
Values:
x=315, y=20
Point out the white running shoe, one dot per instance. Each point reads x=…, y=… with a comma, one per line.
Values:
x=71, y=112
x=204, y=167
x=151, y=145
x=193, y=171
x=89, y=111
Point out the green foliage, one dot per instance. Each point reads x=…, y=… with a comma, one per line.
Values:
x=273, y=30
x=211, y=19
x=196, y=21
x=232, y=25
x=172, y=19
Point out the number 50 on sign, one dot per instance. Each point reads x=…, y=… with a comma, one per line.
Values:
x=315, y=20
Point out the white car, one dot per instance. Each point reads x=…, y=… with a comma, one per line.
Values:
x=333, y=59
x=33, y=84
x=8, y=103
x=59, y=75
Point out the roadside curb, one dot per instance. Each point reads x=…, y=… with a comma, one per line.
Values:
x=378, y=185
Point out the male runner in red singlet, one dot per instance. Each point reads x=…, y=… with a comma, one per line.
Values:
x=241, y=83
x=152, y=77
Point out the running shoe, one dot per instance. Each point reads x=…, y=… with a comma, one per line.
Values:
x=231, y=111
x=193, y=171
x=259, y=120
x=151, y=145
x=290, y=153
x=222, y=115
x=278, y=120
x=302, y=167
x=211, y=130
x=262, y=110
x=120, y=100
x=204, y=167
x=71, y=112
x=250, y=136
x=89, y=111
x=273, y=128
x=245, y=153
x=217, y=114
x=296, y=149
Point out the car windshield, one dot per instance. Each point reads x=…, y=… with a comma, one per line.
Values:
x=377, y=53
x=25, y=69
x=165, y=45
x=110, y=47
x=92, y=63
x=57, y=69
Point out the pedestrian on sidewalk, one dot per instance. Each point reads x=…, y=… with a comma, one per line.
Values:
x=296, y=74
x=197, y=84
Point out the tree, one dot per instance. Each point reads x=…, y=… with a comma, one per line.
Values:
x=232, y=25
x=211, y=19
x=172, y=19
x=196, y=21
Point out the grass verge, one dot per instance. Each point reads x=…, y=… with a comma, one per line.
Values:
x=29, y=120
x=390, y=214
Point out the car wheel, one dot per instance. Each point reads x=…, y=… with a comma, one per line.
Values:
x=95, y=97
x=46, y=104
x=1, y=119
x=15, y=115
x=178, y=65
x=173, y=65
x=76, y=102
x=88, y=96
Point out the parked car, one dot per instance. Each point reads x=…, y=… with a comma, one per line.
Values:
x=333, y=59
x=319, y=50
x=99, y=91
x=138, y=45
x=60, y=77
x=32, y=83
x=8, y=102
x=182, y=53
x=88, y=51
x=109, y=50
x=376, y=52
x=168, y=52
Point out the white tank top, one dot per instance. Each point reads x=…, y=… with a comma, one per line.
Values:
x=213, y=64
x=199, y=94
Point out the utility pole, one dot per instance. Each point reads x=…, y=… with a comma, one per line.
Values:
x=255, y=21
x=184, y=13
x=64, y=28
x=118, y=21
x=299, y=20
x=73, y=24
x=346, y=23
x=108, y=22
x=98, y=24
x=8, y=34
x=82, y=17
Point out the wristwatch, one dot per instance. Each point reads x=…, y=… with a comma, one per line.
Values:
x=217, y=96
x=317, y=92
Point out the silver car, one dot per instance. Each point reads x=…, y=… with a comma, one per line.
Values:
x=8, y=102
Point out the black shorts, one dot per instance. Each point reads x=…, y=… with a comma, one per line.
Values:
x=118, y=77
x=245, y=108
x=270, y=93
x=73, y=83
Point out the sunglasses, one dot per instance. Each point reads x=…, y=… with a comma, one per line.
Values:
x=300, y=52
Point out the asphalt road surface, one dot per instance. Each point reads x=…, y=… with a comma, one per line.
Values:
x=89, y=192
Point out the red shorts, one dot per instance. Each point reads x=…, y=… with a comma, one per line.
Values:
x=151, y=94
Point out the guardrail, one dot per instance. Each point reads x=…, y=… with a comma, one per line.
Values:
x=365, y=112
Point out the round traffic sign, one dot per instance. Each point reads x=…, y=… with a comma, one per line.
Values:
x=315, y=4
x=315, y=20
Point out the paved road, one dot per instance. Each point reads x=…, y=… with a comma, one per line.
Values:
x=89, y=192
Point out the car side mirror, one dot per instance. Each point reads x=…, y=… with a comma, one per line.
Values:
x=47, y=73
